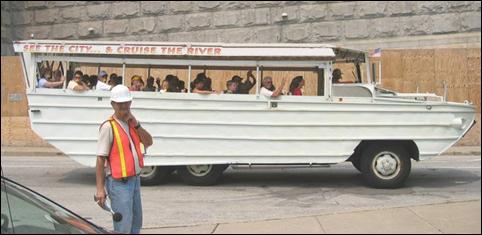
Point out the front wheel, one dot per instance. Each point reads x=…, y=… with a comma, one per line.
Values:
x=201, y=175
x=385, y=165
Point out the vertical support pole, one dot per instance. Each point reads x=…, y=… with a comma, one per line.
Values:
x=257, y=79
x=328, y=80
x=374, y=74
x=189, y=79
x=67, y=66
x=445, y=91
x=123, y=73
x=367, y=64
x=36, y=74
x=380, y=69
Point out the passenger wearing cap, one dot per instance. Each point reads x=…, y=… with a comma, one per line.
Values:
x=120, y=160
x=101, y=82
x=337, y=76
x=244, y=87
x=136, y=83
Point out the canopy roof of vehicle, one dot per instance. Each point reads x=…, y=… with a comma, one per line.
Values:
x=281, y=51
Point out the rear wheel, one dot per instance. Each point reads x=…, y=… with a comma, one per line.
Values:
x=154, y=175
x=201, y=175
x=385, y=165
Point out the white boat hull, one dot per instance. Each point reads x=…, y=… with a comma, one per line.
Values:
x=191, y=129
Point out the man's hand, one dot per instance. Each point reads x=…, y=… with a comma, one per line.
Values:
x=132, y=119
x=100, y=197
x=250, y=73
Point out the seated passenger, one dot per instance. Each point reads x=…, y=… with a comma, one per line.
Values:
x=245, y=87
x=102, y=82
x=93, y=81
x=56, y=82
x=112, y=79
x=149, y=84
x=76, y=84
x=136, y=83
x=268, y=89
x=58, y=77
x=164, y=86
x=199, y=86
x=166, y=83
x=208, y=84
x=296, y=86
x=232, y=87
x=337, y=76
x=172, y=83
x=182, y=86
x=206, y=81
x=117, y=80
x=86, y=80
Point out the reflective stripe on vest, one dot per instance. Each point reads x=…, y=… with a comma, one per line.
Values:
x=121, y=157
x=120, y=147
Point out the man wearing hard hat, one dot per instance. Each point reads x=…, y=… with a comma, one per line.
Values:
x=119, y=162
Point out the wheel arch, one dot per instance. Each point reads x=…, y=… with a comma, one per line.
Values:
x=409, y=145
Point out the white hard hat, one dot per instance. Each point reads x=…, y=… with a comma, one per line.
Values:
x=120, y=94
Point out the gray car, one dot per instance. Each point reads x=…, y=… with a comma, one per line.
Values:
x=25, y=211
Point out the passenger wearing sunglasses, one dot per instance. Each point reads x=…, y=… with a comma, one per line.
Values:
x=76, y=84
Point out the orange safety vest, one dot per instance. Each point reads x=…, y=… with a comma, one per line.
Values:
x=121, y=158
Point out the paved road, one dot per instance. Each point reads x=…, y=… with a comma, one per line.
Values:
x=248, y=195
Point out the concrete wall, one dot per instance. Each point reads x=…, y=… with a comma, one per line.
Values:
x=387, y=24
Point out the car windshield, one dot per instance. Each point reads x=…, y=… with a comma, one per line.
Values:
x=24, y=211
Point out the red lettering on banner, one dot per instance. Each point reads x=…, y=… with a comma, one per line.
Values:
x=204, y=51
x=79, y=49
x=171, y=50
x=54, y=48
x=136, y=50
x=31, y=47
x=142, y=50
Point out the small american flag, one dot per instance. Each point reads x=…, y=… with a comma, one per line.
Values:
x=376, y=53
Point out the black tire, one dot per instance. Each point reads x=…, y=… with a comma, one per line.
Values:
x=201, y=175
x=377, y=165
x=158, y=175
